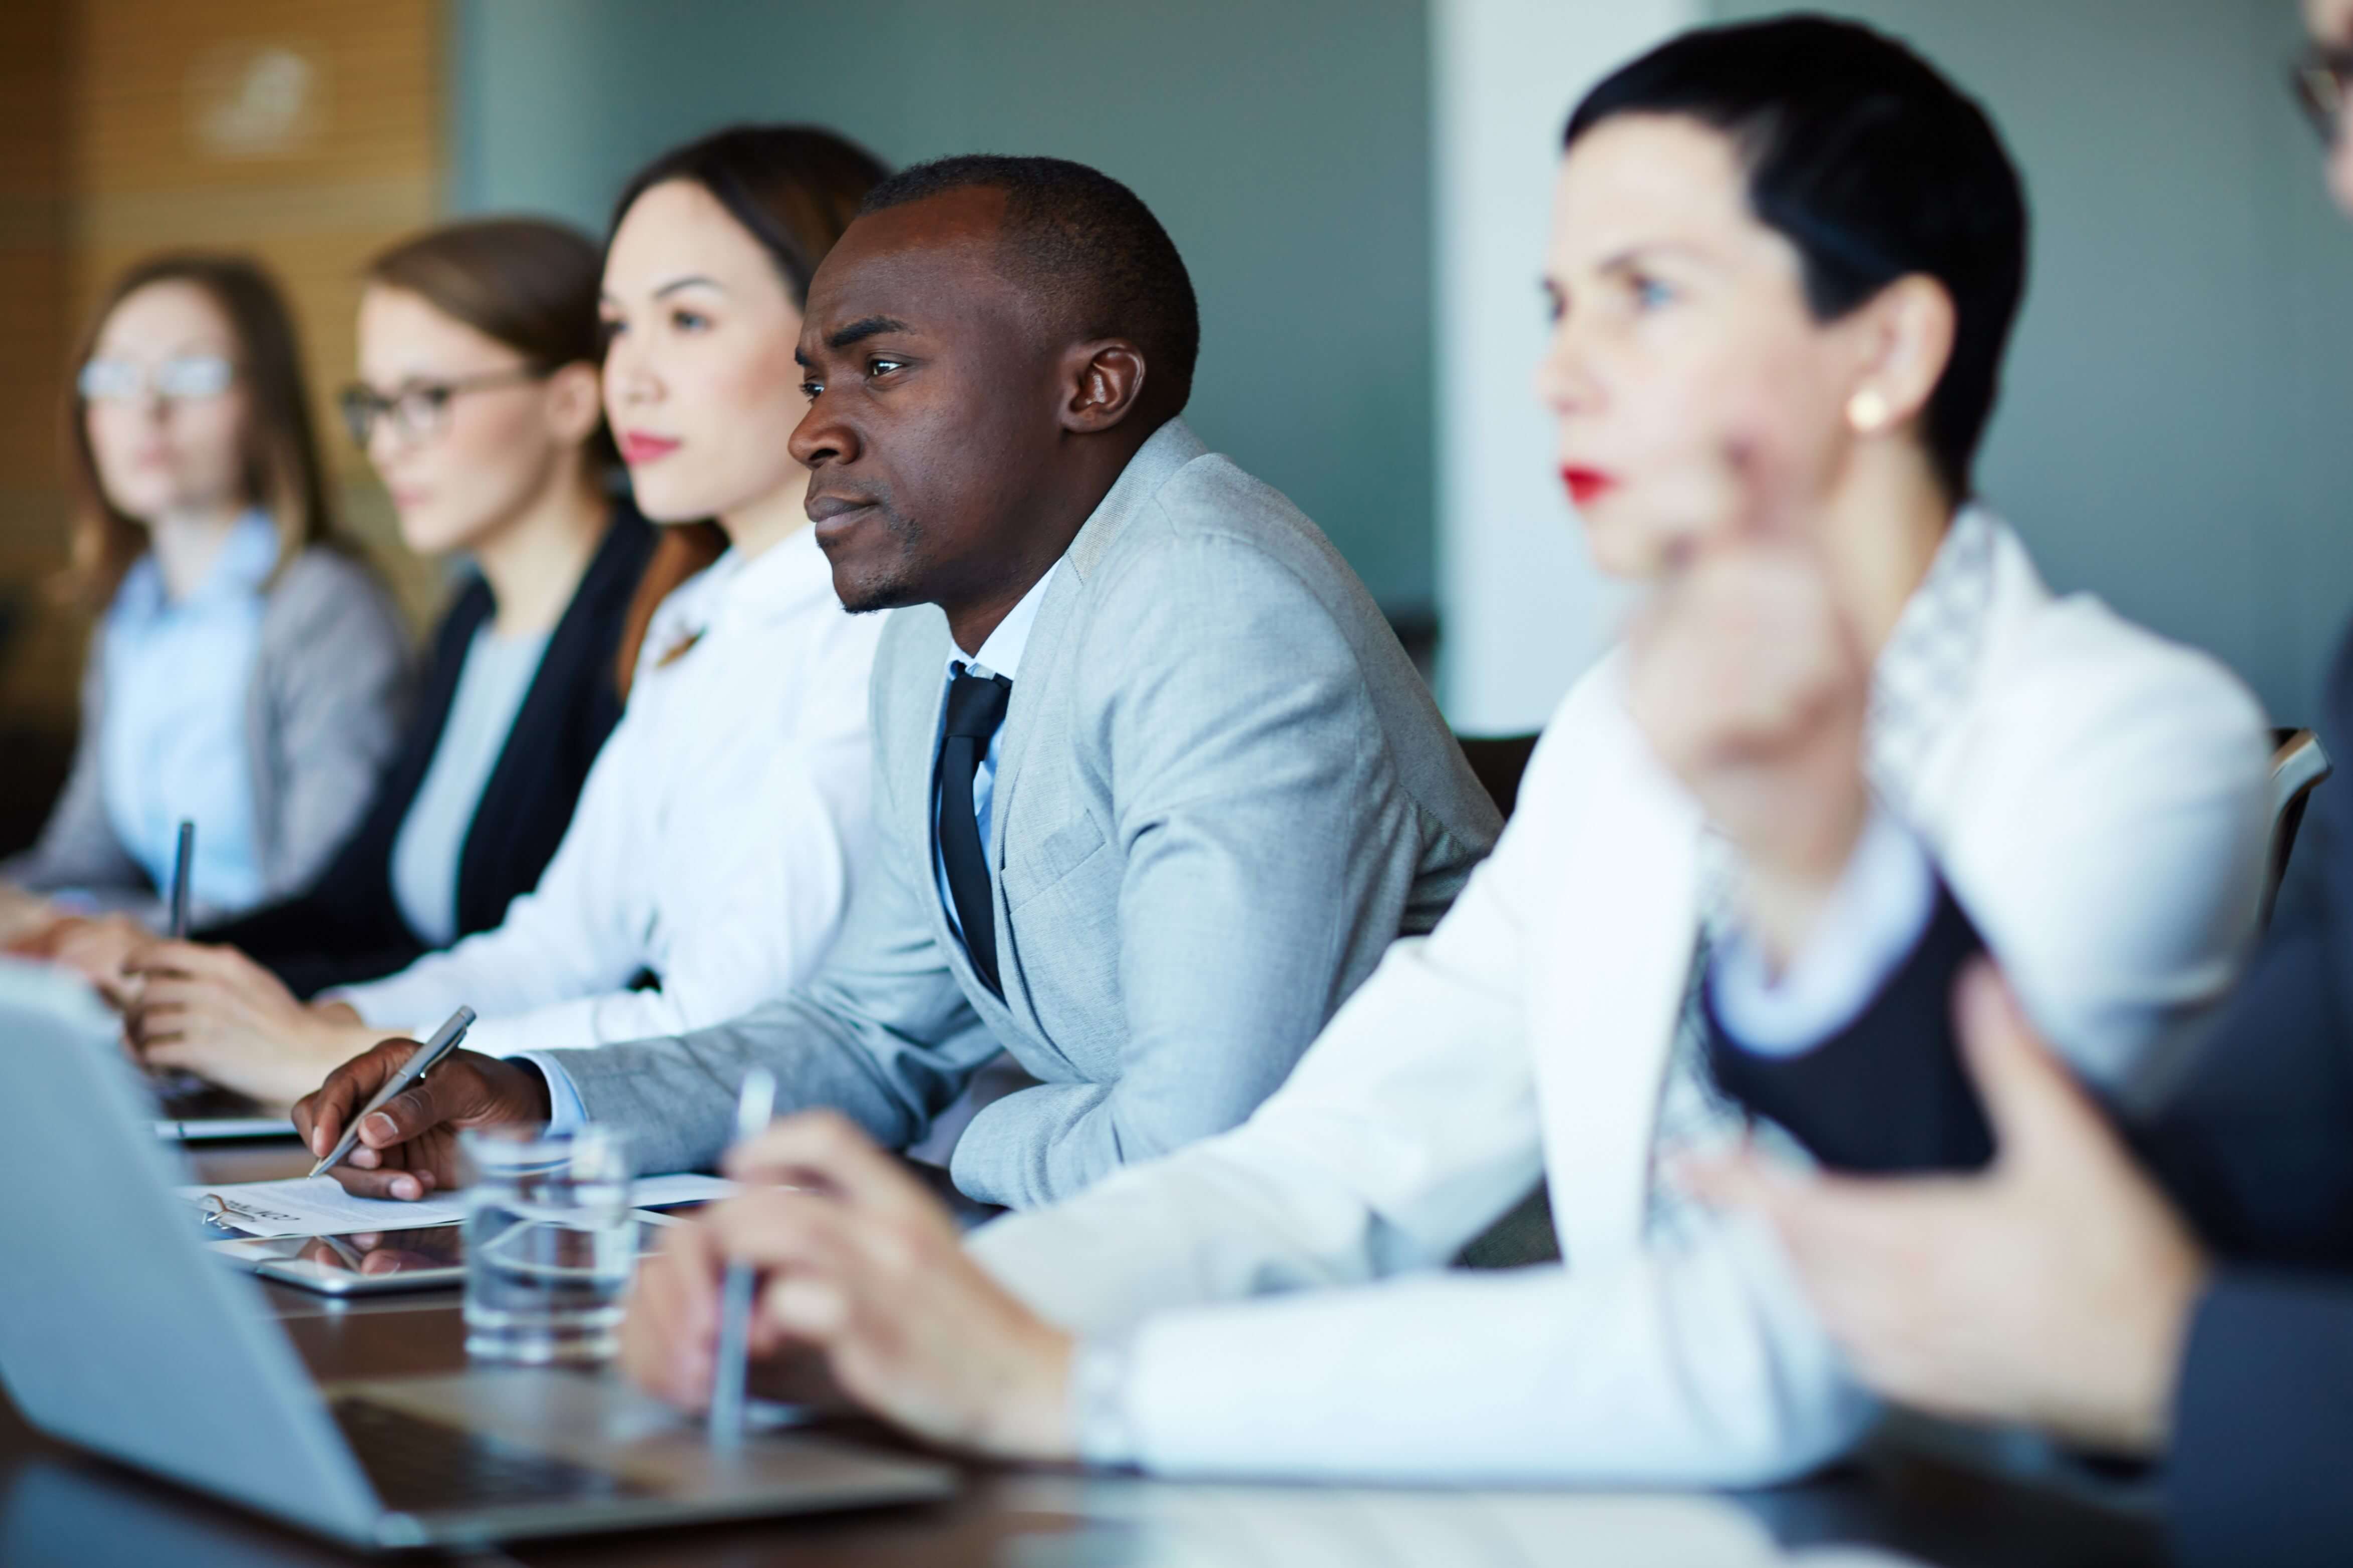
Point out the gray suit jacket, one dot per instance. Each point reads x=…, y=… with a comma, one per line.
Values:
x=1221, y=790
x=330, y=692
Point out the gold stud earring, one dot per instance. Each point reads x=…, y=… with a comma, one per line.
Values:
x=1867, y=411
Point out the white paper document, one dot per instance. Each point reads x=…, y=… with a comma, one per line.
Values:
x=318, y=1206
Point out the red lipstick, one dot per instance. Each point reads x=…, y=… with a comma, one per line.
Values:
x=1586, y=484
x=638, y=448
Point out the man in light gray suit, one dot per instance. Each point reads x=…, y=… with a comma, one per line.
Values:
x=1155, y=785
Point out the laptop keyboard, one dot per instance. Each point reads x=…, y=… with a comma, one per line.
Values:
x=418, y=1465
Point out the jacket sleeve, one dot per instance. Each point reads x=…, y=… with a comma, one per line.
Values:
x=2263, y=1423
x=882, y=1032
x=1407, y=1127
x=77, y=848
x=334, y=685
x=1268, y=848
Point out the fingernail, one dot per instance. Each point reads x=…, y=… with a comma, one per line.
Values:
x=381, y=1126
x=406, y=1188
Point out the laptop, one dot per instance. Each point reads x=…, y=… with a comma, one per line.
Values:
x=187, y=1110
x=118, y=1334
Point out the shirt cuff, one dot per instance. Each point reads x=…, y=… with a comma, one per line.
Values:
x=566, y=1112
x=1099, y=1405
x=1884, y=903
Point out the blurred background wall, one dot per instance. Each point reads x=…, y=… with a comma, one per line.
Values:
x=1359, y=186
x=1284, y=143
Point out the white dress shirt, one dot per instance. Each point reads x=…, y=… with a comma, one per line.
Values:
x=2097, y=798
x=716, y=839
x=999, y=653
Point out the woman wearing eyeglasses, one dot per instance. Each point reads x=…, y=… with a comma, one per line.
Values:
x=710, y=858
x=247, y=673
x=478, y=404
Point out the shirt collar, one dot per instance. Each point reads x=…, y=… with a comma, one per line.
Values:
x=246, y=558
x=1925, y=674
x=1001, y=652
x=779, y=581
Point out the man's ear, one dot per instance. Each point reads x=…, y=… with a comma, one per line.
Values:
x=1101, y=382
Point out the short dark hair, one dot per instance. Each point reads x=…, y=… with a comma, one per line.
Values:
x=1086, y=240
x=1873, y=165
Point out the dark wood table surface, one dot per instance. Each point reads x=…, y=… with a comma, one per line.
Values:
x=60, y=1508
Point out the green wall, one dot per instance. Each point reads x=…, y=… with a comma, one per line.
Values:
x=1286, y=145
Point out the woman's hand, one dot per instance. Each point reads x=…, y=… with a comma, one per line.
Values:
x=25, y=917
x=860, y=1265
x=214, y=1012
x=2057, y=1287
x=99, y=949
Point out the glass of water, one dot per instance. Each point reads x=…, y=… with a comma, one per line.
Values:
x=550, y=1240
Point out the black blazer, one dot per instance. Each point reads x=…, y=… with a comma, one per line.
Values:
x=349, y=927
x=2255, y=1145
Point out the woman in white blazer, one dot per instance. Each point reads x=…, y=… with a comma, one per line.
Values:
x=711, y=857
x=1784, y=260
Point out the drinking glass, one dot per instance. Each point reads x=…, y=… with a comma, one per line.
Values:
x=550, y=1240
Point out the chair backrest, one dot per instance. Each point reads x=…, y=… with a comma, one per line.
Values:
x=2298, y=765
x=1498, y=760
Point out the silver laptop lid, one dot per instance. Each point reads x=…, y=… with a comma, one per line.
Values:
x=116, y=1332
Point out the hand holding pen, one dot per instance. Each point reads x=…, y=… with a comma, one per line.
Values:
x=405, y=1145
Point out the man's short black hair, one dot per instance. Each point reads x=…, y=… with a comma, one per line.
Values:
x=1090, y=244
x=1874, y=167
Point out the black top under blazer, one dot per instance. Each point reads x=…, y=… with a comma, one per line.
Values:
x=349, y=927
x=2255, y=1145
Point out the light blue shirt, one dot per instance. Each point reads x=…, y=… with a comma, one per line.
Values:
x=173, y=740
x=999, y=653
x=491, y=686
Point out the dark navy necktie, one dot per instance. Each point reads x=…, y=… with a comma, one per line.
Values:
x=975, y=709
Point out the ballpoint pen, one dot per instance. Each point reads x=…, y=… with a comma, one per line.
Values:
x=183, y=864
x=754, y=1106
x=445, y=1040
x=176, y=1082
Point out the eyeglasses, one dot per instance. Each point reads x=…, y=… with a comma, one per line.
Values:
x=182, y=378
x=2319, y=81
x=420, y=410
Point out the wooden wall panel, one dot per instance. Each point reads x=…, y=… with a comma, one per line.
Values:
x=39, y=648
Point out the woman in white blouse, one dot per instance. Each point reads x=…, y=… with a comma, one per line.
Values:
x=709, y=860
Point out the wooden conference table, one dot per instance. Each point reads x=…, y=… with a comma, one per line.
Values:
x=58, y=1507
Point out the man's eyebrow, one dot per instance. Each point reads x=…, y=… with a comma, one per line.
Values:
x=863, y=328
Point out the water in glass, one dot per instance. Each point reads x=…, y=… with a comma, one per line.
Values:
x=550, y=1241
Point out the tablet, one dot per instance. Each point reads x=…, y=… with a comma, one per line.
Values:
x=375, y=1263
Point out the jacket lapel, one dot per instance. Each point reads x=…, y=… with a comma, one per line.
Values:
x=1045, y=667
x=1608, y=969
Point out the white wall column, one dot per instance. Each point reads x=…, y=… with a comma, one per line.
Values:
x=1521, y=612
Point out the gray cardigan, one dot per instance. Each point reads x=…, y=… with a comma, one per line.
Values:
x=330, y=692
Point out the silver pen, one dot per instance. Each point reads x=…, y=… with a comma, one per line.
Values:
x=445, y=1040
x=184, y=865
x=754, y=1106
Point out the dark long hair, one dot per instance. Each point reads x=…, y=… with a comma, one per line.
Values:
x=794, y=188
x=282, y=469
